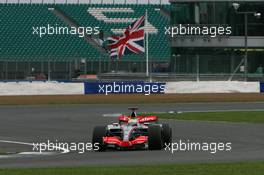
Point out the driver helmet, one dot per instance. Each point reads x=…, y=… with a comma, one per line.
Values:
x=133, y=114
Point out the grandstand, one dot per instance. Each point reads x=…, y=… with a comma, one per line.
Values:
x=24, y=54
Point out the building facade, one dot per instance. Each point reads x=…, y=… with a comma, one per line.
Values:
x=223, y=54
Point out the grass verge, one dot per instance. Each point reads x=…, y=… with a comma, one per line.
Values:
x=2, y=153
x=252, y=168
x=239, y=116
x=130, y=98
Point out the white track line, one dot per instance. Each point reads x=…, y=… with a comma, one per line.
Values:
x=189, y=111
x=112, y=115
x=63, y=150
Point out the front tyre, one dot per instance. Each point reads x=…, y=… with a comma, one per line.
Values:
x=155, y=141
x=98, y=133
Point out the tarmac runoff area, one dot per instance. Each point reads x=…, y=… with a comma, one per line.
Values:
x=21, y=126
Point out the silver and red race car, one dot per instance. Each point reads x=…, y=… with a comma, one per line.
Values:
x=132, y=132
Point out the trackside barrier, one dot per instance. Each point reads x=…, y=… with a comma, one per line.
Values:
x=212, y=87
x=147, y=88
x=41, y=88
x=261, y=87
x=106, y=88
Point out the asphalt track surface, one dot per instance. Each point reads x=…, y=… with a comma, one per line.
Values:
x=74, y=123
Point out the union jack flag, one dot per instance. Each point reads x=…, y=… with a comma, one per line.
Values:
x=132, y=40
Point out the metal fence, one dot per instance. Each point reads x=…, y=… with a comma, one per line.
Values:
x=86, y=1
x=68, y=70
x=120, y=70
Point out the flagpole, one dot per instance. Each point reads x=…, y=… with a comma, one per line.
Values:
x=146, y=33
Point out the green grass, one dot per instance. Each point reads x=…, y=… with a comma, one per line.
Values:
x=253, y=168
x=240, y=116
x=2, y=153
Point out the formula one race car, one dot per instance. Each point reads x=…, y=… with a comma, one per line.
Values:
x=132, y=132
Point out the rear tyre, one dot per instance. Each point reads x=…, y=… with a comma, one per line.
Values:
x=155, y=141
x=98, y=133
x=167, y=133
